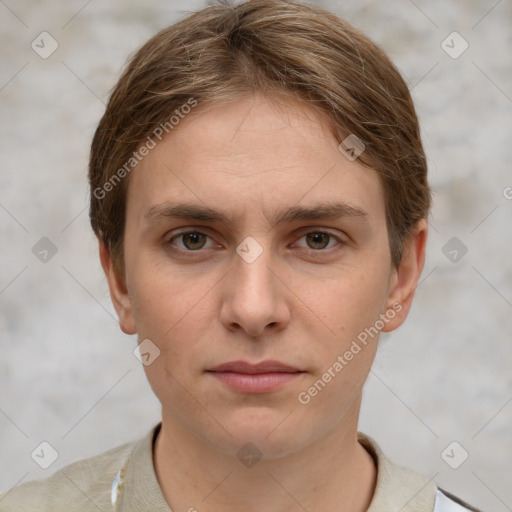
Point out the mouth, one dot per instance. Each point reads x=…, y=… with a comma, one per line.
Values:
x=264, y=377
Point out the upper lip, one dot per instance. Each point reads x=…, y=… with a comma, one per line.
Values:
x=263, y=367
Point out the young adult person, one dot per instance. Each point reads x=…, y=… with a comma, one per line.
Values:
x=259, y=192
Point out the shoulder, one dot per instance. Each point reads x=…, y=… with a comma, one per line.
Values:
x=401, y=488
x=83, y=485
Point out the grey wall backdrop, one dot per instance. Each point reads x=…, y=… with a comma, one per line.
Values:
x=67, y=373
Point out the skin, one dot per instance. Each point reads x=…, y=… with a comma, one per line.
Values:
x=299, y=302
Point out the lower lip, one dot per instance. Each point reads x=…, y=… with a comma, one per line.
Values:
x=255, y=383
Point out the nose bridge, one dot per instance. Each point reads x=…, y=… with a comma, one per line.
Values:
x=252, y=272
x=253, y=298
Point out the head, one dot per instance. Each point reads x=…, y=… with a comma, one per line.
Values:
x=232, y=227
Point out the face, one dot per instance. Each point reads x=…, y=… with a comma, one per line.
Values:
x=257, y=258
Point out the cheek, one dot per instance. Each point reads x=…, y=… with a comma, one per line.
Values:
x=347, y=303
x=351, y=308
x=162, y=299
x=175, y=313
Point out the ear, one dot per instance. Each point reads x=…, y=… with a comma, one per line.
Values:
x=118, y=291
x=404, y=279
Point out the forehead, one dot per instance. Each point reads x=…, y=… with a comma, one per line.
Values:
x=252, y=153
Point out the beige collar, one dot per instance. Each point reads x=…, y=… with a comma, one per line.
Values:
x=136, y=487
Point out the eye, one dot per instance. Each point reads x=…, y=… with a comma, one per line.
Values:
x=320, y=240
x=191, y=240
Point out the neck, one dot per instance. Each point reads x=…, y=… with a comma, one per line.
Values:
x=332, y=473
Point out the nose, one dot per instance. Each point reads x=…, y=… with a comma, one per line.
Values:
x=254, y=297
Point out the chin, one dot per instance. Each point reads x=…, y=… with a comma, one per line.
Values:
x=274, y=433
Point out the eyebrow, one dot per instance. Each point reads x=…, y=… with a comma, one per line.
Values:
x=201, y=213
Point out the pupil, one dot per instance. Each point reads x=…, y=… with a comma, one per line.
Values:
x=317, y=238
x=193, y=238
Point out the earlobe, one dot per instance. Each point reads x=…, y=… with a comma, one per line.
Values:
x=118, y=291
x=404, y=279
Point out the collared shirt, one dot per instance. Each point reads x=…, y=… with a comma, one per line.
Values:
x=124, y=480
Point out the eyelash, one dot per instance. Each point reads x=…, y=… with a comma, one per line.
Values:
x=191, y=252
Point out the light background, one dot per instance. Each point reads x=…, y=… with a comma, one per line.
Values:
x=67, y=373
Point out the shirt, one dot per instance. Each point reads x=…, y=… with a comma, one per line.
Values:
x=124, y=480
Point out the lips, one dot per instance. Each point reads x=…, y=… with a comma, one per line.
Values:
x=264, y=377
x=248, y=368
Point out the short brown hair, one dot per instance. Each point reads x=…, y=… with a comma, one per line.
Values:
x=273, y=47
